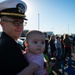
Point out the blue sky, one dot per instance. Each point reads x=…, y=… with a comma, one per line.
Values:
x=54, y=15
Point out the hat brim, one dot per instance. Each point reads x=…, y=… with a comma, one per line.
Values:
x=14, y=17
x=12, y=12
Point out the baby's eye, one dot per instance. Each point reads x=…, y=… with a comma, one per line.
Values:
x=43, y=42
x=35, y=42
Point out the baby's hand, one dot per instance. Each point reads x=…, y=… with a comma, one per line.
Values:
x=24, y=52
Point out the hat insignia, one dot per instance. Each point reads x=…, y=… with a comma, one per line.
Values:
x=21, y=8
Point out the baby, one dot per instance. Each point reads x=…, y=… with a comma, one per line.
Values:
x=35, y=46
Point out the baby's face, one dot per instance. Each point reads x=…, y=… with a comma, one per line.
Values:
x=36, y=44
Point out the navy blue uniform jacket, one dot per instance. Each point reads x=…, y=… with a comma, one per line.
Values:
x=12, y=60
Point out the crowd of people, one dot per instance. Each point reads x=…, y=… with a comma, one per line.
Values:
x=60, y=46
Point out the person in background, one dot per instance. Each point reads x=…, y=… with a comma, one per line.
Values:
x=67, y=46
x=47, y=48
x=12, y=60
x=58, y=47
x=35, y=46
x=62, y=46
x=52, y=45
x=73, y=43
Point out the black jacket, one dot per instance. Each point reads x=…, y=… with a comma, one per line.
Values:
x=12, y=60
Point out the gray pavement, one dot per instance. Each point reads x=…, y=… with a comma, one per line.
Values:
x=57, y=68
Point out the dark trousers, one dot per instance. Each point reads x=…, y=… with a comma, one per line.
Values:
x=67, y=52
x=53, y=54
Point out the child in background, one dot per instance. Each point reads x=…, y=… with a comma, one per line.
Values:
x=51, y=62
x=35, y=46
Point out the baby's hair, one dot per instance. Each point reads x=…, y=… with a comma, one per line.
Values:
x=29, y=33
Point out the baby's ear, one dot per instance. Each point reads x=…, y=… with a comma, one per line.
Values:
x=26, y=44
